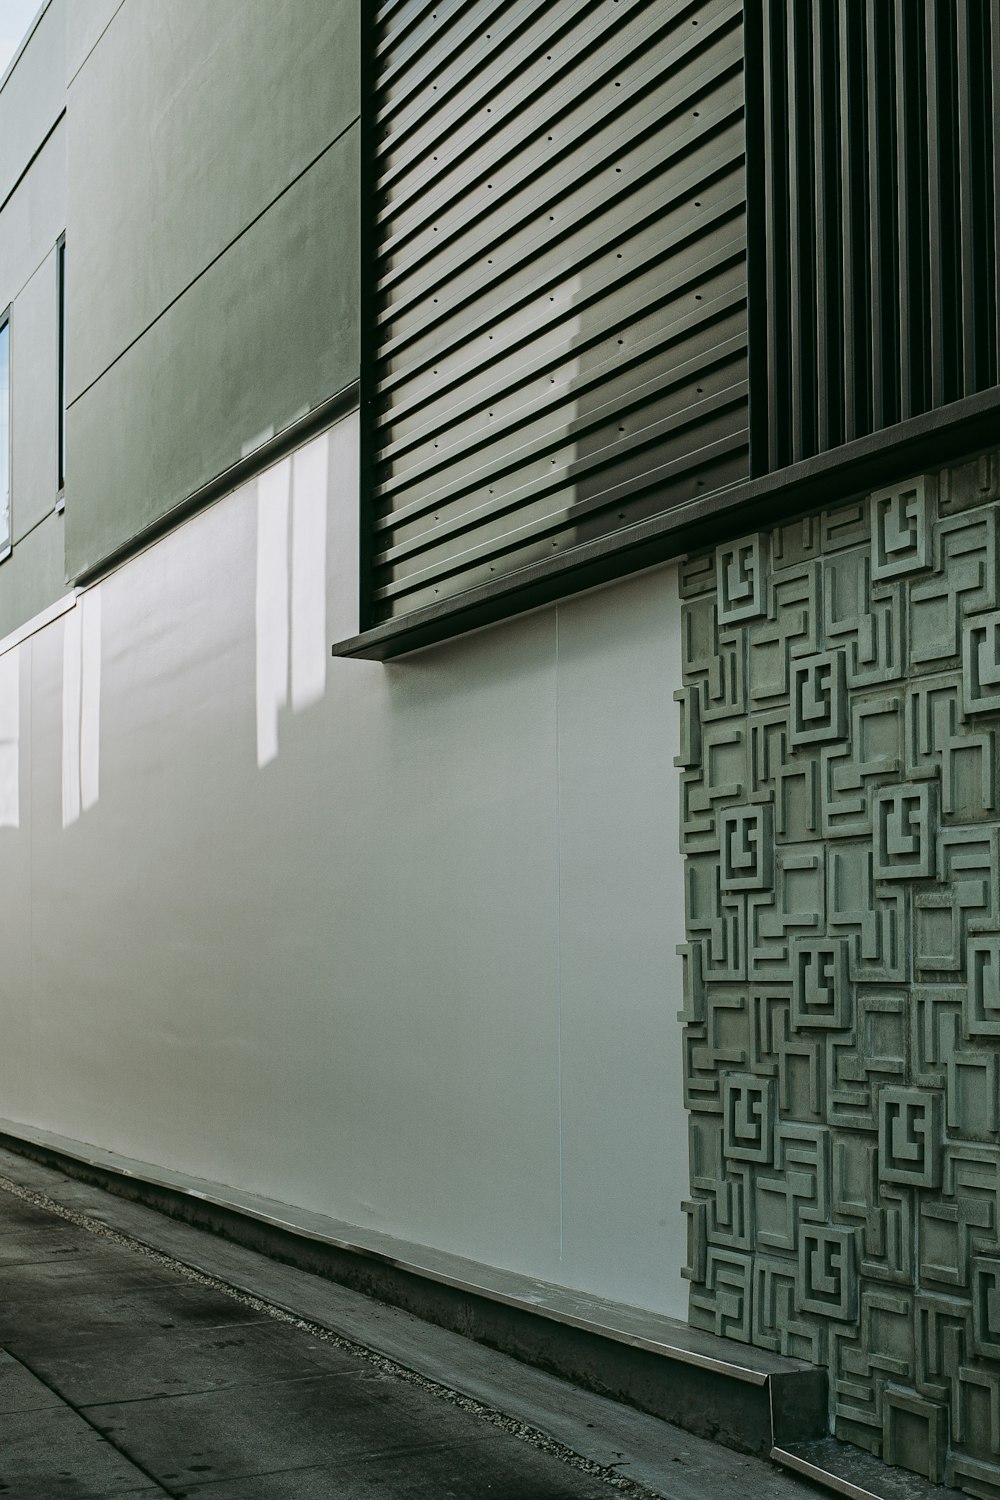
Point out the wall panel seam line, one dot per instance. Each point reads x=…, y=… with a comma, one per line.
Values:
x=35, y=155
x=30, y=278
x=215, y=259
x=318, y=419
x=23, y=536
x=97, y=43
x=6, y=74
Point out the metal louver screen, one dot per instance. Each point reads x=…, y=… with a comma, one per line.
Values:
x=873, y=174
x=556, y=325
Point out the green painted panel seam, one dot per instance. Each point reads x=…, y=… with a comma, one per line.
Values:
x=216, y=258
x=97, y=43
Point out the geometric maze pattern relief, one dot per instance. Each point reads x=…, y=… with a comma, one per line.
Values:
x=840, y=728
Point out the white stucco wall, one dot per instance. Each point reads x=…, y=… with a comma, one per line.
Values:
x=394, y=943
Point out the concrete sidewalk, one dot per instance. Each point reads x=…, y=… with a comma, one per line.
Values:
x=139, y=1356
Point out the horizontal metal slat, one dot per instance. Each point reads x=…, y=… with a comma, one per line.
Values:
x=578, y=325
x=418, y=148
x=539, y=194
x=411, y=139
x=528, y=428
x=421, y=201
x=724, y=466
x=693, y=294
x=610, y=334
x=569, y=515
x=399, y=15
x=727, y=253
x=574, y=468
x=535, y=380
x=660, y=209
x=614, y=362
x=528, y=112
x=579, y=424
x=443, y=57
x=588, y=426
x=658, y=416
x=657, y=204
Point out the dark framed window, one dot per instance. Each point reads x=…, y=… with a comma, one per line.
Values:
x=61, y=376
x=5, y=443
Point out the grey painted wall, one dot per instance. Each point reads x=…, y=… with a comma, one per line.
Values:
x=212, y=266
x=392, y=943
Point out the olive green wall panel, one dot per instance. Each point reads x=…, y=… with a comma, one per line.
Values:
x=187, y=121
x=841, y=826
x=34, y=398
x=32, y=97
x=267, y=333
x=32, y=577
x=34, y=217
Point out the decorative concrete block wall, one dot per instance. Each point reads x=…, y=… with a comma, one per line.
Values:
x=841, y=828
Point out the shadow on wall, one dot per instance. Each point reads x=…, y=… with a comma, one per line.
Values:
x=81, y=707
x=291, y=588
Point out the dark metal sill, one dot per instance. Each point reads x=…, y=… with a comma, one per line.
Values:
x=845, y=1470
x=309, y=425
x=926, y=442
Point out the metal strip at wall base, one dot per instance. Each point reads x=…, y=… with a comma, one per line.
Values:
x=842, y=1469
x=746, y=1398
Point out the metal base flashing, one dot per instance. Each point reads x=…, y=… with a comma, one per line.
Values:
x=746, y=1398
x=845, y=1470
x=269, y=452
x=920, y=444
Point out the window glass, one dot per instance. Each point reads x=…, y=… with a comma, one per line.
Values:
x=61, y=300
x=4, y=435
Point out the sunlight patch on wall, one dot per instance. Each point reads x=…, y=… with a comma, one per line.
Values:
x=273, y=491
x=291, y=589
x=10, y=738
x=81, y=706
x=308, y=603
